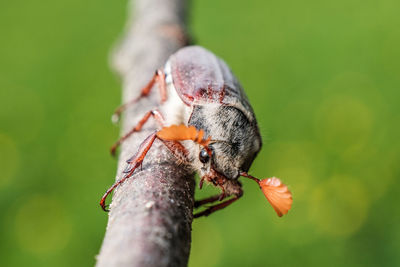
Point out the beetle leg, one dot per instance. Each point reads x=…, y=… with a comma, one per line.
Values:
x=218, y=206
x=162, y=85
x=134, y=163
x=212, y=199
x=178, y=150
x=159, y=78
x=155, y=113
x=219, y=197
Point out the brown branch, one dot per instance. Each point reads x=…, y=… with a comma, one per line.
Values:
x=151, y=213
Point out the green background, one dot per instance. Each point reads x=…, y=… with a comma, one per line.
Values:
x=323, y=78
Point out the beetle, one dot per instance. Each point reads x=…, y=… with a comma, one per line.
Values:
x=202, y=101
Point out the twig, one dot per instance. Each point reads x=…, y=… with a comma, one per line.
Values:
x=151, y=213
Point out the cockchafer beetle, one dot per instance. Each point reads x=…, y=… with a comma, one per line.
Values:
x=204, y=102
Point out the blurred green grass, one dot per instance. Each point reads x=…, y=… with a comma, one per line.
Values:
x=322, y=76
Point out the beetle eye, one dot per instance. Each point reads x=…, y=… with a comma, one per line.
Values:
x=203, y=156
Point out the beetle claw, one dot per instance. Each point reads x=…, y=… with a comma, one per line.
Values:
x=103, y=205
x=127, y=169
x=113, y=149
x=201, y=183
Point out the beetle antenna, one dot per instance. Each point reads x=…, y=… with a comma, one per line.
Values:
x=245, y=174
x=277, y=194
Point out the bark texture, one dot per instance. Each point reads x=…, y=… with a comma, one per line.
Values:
x=151, y=213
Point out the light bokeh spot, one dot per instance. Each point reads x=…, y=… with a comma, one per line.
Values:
x=339, y=206
x=297, y=164
x=343, y=124
x=42, y=225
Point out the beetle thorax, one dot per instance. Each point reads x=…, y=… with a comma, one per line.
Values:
x=235, y=140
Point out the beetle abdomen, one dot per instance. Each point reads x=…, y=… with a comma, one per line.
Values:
x=174, y=110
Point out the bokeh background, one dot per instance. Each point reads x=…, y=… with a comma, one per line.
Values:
x=323, y=78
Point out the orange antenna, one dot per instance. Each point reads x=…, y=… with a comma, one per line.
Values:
x=183, y=132
x=276, y=192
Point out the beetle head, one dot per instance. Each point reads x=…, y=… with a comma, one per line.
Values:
x=234, y=144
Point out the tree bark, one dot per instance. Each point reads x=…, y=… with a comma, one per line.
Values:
x=151, y=213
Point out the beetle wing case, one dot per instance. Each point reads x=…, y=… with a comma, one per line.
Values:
x=201, y=78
